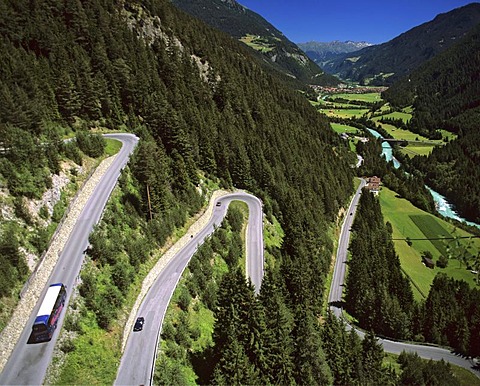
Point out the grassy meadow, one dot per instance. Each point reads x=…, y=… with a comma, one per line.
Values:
x=113, y=146
x=405, y=117
x=368, y=97
x=257, y=43
x=346, y=110
x=397, y=133
x=352, y=142
x=343, y=113
x=418, y=144
x=448, y=135
x=339, y=128
x=409, y=221
x=413, y=150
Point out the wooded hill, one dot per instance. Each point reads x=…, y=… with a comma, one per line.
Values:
x=203, y=107
x=445, y=94
x=385, y=63
x=274, y=50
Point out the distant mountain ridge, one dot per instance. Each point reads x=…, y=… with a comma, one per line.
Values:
x=321, y=52
x=384, y=63
x=271, y=45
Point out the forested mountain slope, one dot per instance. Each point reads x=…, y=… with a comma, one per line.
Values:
x=445, y=94
x=203, y=107
x=274, y=49
x=385, y=63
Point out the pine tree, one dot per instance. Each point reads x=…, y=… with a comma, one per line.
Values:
x=372, y=359
x=67, y=97
x=311, y=367
x=234, y=366
x=277, y=344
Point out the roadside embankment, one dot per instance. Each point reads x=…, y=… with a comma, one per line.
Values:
x=37, y=282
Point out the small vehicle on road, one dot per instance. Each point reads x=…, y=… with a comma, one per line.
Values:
x=219, y=203
x=139, y=324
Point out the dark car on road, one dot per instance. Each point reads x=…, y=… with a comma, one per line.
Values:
x=139, y=324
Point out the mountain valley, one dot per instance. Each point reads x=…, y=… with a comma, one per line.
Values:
x=221, y=101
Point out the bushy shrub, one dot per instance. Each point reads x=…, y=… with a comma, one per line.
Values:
x=442, y=262
x=92, y=145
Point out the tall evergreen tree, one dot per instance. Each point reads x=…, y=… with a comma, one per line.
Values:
x=311, y=367
x=277, y=344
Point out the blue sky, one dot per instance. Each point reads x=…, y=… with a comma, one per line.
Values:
x=375, y=21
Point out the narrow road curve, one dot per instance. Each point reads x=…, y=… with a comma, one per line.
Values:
x=28, y=363
x=138, y=360
x=335, y=301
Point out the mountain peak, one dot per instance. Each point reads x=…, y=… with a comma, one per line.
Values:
x=234, y=5
x=321, y=52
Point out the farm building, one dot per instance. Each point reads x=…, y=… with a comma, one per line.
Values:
x=428, y=262
x=373, y=184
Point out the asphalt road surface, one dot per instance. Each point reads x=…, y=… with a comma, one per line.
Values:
x=336, y=287
x=28, y=363
x=138, y=360
x=336, y=303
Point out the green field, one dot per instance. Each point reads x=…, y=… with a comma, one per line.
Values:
x=413, y=150
x=257, y=43
x=423, y=147
x=113, y=146
x=368, y=97
x=353, y=131
x=329, y=105
x=405, y=117
x=344, y=113
x=448, y=135
x=341, y=110
x=401, y=133
x=385, y=108
x=339, y=128
x=409, y=221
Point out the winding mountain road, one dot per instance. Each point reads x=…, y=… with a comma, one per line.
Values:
x=27, y=364
x=335, y=301
x=138, y=360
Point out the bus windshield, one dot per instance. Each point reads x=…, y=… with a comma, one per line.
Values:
x=39, y=327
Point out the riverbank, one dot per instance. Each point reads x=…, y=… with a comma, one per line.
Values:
x=443, y=206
